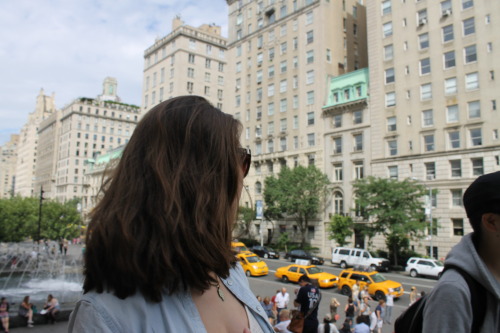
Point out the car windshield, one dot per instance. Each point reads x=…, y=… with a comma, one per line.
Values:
x=439, y=263
x=253, y=259
x=377, y=277
x=240, y=248
x=314, y=270
x=269, y=249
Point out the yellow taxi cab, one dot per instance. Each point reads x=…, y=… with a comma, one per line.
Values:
x=240, y=247
x=378, y=285
x=252, y=264
x=295, y=271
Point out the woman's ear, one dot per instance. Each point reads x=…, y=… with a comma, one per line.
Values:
x=491, y=222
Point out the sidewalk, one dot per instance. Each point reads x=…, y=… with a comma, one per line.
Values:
x=60, y=327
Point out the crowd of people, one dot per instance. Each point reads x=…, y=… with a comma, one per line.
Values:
x=27, y=309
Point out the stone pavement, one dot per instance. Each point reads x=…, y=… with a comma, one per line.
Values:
x=60, y=327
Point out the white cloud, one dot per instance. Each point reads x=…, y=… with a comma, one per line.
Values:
x=69, y=47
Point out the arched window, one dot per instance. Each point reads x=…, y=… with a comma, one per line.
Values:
x=338, y=202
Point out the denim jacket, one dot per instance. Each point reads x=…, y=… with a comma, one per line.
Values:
x=107, y=313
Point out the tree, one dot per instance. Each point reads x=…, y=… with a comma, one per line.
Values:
x=245, y=217
x=340, y=228
x=394, y=209
x=296, y=194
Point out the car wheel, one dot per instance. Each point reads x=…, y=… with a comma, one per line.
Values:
x=374, y=268
x=343, y=264
x=346, y=290
x=379, y=295
x=266, y=255
x=291, y=259
x=247, y=273
x=284, y=279
x=413, y=273
x=439, y=275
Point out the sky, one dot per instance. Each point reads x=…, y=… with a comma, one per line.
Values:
x=68, y=47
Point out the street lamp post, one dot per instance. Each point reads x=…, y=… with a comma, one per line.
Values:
x=40, y=217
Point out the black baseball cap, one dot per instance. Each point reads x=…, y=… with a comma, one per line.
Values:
x=483, y=195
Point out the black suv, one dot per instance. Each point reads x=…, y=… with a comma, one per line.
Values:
x=265, y=252
x=301, y=254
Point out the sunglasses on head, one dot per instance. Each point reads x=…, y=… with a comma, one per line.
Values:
x=246, y=154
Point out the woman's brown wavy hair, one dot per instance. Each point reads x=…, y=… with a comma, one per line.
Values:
x=166, y=218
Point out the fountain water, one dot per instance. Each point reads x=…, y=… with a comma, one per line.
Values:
x=24, y=272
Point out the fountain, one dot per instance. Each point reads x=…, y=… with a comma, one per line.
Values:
x=24, y=272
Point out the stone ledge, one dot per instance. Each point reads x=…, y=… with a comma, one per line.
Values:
x=17, y=321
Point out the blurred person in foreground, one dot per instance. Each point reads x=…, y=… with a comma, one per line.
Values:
x=478, y=254
x=158, y=254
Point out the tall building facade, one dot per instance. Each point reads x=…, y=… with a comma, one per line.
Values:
x=90, y=127
x=347, y=142
x=28, y=142
x=433, y=101
x=8, y=153
x=282, y=56
x=187, y=61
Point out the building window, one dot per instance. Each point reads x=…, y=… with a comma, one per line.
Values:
x=337, y=121
x=471, y=81
x=392, y=147
x=468, y=26
x=422, y=17
x=310, y=56
x=426, y=91
x=387, y=29
x=310, y=37
x=454, y=138
x=393, y=172
x=388, y=52
x=270, y=128
x=295, y=142
x=458, y=227
x=358, y=142
x=283, y=144
x=258, y=187
x=476, y=137
x=391, y=124
x=310, y=97
x=311, y=139
x=283, y=105
x=456, y=198
x=359, y=171
x=427, y=118
x=456, y=168
x=425, y=66
x=283, y=66
x=390, y=99
x=477, y=166
x=337, y=145
x=449, y=59
x=450, y=86
x=310, y=77
x=338, y=202
x=389, y=75
x=283, y=86
x=270, y=108
x=429, y=142
x=448, y=33
x=386, y=7
x=474, y=109
x=423, y=41
x=430, y=170
x=467, y=4
x=470, y=54
x=310, y=118
x=452, y=113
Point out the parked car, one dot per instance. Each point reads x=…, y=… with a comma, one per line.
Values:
x=301, y=254
x=294, y=272
x=252, y=264
x=265, y=252
x=378, y=285
x=424, y=266
x=350, y=257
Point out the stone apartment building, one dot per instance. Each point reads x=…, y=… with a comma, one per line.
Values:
x=8, y=153
x=28, y=143
x=282, y=56
x=433, y=101
x=187, y=61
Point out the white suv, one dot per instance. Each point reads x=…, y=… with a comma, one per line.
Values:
x=350, y=257
x=423, y=266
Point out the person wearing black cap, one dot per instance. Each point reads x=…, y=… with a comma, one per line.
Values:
x=308, y=298
x=449, y=305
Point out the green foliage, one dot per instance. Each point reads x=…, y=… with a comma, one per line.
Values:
x=296, y=194
x=394, y=208
x=19, y=219
x=340, y=228
x=245, y=217
x=283, y=241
